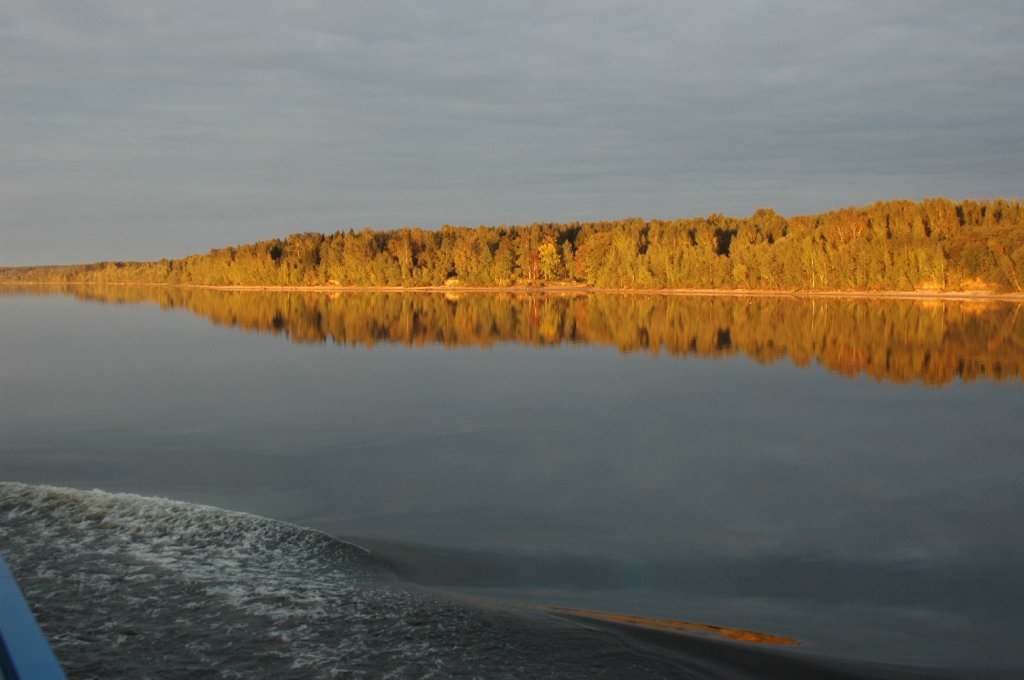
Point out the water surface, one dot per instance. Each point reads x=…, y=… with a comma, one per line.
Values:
x=845, y=473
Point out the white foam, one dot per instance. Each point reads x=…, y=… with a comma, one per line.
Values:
x=109, y=574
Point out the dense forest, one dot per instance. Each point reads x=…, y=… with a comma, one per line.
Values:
x=899, y=245
x=933, y=342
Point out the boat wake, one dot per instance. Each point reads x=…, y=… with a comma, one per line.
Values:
x=129, y=586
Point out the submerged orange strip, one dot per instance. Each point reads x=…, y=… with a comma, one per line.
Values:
x=670, y=625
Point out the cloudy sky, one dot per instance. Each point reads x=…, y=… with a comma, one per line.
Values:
x=138, y=129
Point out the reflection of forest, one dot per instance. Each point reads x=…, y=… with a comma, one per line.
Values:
x=933, y=342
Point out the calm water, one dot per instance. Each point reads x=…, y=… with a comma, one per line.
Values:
x=846, y=473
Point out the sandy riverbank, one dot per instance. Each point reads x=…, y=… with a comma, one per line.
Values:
x=951, y=295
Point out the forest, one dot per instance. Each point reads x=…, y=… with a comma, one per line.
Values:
x=900, y=245
x=927, y=341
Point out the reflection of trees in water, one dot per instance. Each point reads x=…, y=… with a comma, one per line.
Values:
x=933, y=341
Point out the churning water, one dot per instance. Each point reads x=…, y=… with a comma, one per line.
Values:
x=127, y=586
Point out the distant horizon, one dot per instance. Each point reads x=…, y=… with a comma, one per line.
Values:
x=933, y=245
x=282, y=235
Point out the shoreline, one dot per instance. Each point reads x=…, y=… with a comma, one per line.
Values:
x=953, y=296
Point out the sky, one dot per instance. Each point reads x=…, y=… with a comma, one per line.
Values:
x=142, y=129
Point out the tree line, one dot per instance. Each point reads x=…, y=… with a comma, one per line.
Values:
x=933, y=342
x=900, y=245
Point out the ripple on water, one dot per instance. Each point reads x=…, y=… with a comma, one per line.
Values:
x=128, y=586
